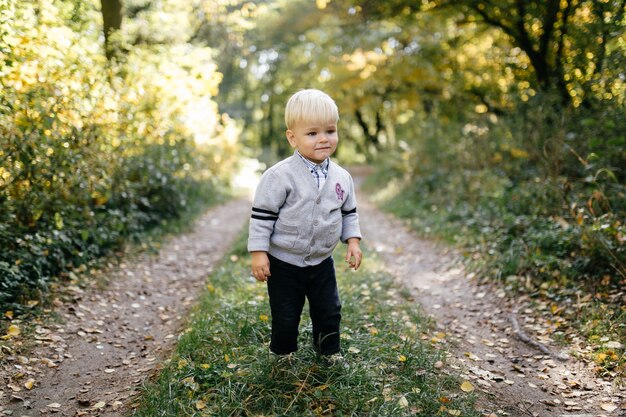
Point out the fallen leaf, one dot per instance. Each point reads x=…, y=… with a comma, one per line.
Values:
x=12, y=331
x=54, y=405
x=403, y=402
x=472, y=356
x=14, y=388
x=454, y=412
x=29, y=384
x=49, y=363
x=610, y=407
x=200, y=405
x=614, y=345
x=352, y=349
x=467, y=386
x=487, y=342
x=99, y=405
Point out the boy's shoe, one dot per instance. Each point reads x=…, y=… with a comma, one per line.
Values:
x=336, y=359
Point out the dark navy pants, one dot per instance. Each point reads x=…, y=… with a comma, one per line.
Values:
x=288, y=286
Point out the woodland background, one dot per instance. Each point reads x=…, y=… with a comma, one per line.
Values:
x=497, y=126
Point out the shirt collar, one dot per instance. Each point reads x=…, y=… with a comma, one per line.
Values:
x=313, y=166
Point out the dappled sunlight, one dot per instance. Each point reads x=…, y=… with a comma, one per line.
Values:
x=247, y=178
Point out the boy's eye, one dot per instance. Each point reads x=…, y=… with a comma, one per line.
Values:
x=331, y=131
x=312, y=133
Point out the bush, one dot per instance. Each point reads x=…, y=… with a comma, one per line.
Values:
x=93, y=154
x=516, y=192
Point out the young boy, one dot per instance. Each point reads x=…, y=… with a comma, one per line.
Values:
x=303, y=206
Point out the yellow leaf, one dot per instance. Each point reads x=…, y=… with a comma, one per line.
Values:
x=454, y=412
x=352, y=349
x=263, y=317
x=200, y=405
x=403, y=402
x=9, y=315
x=29, y=384
x=467, y=386
x=402, y=358
x=99, y=405
x=12, y=331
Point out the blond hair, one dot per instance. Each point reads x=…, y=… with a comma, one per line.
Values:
x=310, y=106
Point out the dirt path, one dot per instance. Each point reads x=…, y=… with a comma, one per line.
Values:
x=110, y=341
x=517, y=378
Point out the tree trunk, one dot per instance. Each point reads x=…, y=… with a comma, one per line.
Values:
x=112, y=18
x=369, y=138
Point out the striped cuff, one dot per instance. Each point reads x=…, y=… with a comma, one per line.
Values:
x=264, y=214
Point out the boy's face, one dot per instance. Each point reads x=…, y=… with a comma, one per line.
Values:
x=314, y=140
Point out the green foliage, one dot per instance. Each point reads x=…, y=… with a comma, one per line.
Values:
x=522, y=212
x=94, y=154
x=390, y=366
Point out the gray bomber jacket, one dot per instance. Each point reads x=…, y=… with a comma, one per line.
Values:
x=297, y=223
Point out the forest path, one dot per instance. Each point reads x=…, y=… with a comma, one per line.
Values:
x=109, y=341
x=475, y=324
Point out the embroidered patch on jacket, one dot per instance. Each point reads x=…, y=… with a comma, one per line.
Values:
x=340, y=191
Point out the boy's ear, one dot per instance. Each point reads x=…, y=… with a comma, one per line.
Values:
x=291, y=138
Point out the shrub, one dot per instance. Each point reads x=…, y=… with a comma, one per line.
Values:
x=93, y=154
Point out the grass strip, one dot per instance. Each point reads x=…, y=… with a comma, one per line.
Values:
x=222, y=366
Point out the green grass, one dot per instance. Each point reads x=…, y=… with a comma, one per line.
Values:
x=222, y=365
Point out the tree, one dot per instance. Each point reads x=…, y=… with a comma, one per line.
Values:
x=112, y=22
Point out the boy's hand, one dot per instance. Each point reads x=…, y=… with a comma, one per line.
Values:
x=260, y=266
x=354, y=254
